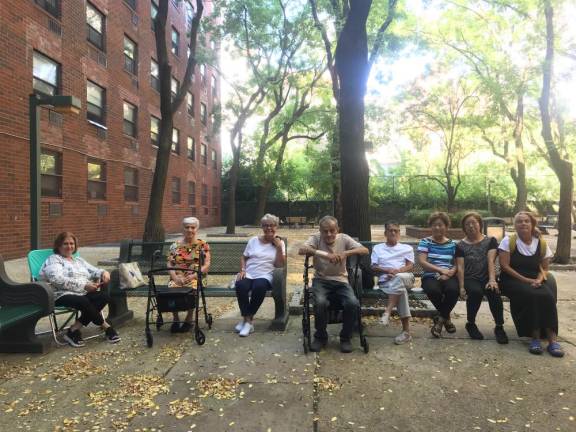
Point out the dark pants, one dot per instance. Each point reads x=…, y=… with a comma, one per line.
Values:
x=326, y=292
x=89, y=306
x=442, y=293
x=475, y=292
x=251, y=294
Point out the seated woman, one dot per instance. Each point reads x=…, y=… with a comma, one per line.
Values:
x=77, y=284
x=524, y=259
x=436, y=256
x=185, y=254
x=262, y=254
x=475, y=256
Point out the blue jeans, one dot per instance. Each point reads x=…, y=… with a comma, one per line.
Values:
x=251, y=294
x=326, y=292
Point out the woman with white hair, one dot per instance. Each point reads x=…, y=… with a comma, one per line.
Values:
x=262, y=254
x=185, y=254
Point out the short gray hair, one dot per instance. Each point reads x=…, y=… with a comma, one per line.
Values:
x=191, y=221
x=328, y=219
x=270, y=218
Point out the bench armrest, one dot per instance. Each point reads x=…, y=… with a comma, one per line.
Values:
x=31, y=293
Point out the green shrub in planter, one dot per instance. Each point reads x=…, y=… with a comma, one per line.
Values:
x=456, y=217
x=420, y=217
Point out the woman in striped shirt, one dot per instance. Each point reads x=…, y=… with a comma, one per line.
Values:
x=439, y=281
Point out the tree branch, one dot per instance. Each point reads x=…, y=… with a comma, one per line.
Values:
x=380, y=34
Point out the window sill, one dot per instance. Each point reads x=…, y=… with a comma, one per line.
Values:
x=98, y=125
x=97, y=201
x=49, y=199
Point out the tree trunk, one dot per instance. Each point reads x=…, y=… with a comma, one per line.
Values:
x=234, y=170
x=521, y=202
x=352, y=68
x=519, y=177
x=562, y=168
x=336, y=182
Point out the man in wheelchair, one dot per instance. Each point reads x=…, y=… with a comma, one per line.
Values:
x=330, y=249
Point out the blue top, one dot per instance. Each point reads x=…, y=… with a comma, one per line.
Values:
x=439, y=254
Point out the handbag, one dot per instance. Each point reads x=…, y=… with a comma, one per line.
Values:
x=130, y=275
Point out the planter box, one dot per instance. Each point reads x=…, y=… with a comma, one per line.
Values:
x=421, y=232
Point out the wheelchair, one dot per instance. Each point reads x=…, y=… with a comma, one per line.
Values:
x=334, y=310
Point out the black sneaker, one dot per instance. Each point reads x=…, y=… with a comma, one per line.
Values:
x=345, y=346
x=74, y=338
x=185, y=327
x=175, y=327
x=112, y=335
x=501, y=336
x=473, y=331
x=317, y=344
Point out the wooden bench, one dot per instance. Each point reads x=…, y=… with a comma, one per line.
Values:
x=225, y=264
x=21, y=306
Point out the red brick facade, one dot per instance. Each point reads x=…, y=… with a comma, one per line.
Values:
x=27, y=27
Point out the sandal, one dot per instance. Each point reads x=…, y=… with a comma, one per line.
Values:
x=436, y=329
x=449, y=326
x=555, y=350
x=535, y=347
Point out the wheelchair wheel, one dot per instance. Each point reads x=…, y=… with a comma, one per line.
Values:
x=200, y=337
x=209, y=321
x=149, y=340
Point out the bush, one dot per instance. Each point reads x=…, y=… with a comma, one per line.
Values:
x=420, y=217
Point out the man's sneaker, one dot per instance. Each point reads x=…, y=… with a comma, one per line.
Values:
x=247, y=328
x=501, y=336
x=474, y=332
x=112, y=335
x=345, y=346
x=402, y=338
x=385, y=319
x=239, y=326
x=317, y=344
x=74, y=338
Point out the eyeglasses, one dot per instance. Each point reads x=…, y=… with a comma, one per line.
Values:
x=268, y=226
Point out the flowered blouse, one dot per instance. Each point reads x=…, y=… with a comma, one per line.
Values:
x=187, y=256
x=68, y=276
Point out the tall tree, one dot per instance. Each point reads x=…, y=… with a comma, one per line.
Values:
x=153, y=228
x=559, y=162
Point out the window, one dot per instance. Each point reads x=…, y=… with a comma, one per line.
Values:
x=51, y=173
x=130, y=184
x=174, y=84
x=131, y=3
x=130, y=117
x=130, y=55
x=46, y=74
x=204, y=194
x=190, y=103
x=214, y=160
x=50, y=6
x=203, y=115
x=95, y=103
x=96, y=26
x=191, y=193
x=203, y=74
x=191, y=149
x=175, y=42
x=175, y=190
x=203, y=155
x=154, y=75
x=189, y=14
x=214, y=196
x=154, y=130
x=153, y=13
x=175, y=140
x=213, y=85
x=96, y=180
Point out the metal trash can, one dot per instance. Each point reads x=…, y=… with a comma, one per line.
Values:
x=495, y=227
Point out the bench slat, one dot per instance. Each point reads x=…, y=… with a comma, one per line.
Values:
x=11, y=315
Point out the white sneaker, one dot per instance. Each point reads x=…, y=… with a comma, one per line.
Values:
x=402, y=338
x=385, y=319
x=247, y=328
x=239, y=326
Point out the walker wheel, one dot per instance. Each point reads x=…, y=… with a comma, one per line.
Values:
x=305, y=344
x=149, y=340
x=365, y=345
x=209, y=321
x=200, y=338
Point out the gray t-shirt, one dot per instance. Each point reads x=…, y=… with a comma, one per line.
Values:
x=476, y=257
x=324, y=269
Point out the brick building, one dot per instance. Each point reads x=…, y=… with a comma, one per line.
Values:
x=97, y=166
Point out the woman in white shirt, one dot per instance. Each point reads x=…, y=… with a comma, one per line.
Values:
x=524, y=259
x=263, y=253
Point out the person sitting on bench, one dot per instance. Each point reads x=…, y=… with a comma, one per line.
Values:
x=330, y=250
x=393, y=262
x=77, y=284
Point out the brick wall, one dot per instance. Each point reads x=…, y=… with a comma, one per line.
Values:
x=25, y=27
